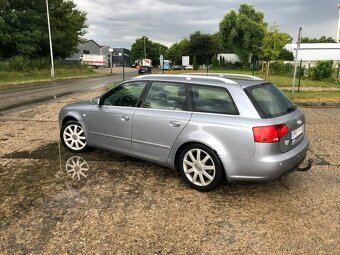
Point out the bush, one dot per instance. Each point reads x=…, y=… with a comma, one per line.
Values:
x=215, y=63
x=24, y=64
x=279, y=67
x=322, y=70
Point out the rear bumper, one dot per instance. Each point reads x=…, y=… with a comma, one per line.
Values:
x=267, y=167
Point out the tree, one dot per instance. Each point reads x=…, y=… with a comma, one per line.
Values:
x=23, y=28
x=203, y=46
x=322, y=39
x=286, y=55
x=215, y=63
x=153, y=50
x=242, y=33
x=177, y=50
x=273, y=43
x=194, y=63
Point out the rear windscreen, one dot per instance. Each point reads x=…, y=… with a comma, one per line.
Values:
x=269, y=101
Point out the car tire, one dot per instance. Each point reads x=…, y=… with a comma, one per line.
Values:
x=200, y=167
x=72, y=136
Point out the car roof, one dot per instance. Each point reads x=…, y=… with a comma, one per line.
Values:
x=206, y=79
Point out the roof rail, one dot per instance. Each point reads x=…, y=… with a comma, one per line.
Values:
x=186, y=76
x=229, y=75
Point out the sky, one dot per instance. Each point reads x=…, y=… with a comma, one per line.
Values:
x=169, y=21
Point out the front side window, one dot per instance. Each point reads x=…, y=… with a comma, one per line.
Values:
x=124, y=95
x=167, y=96
x=212, y=100
x=269, y=101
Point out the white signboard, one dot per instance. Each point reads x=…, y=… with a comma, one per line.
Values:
x=185, y=60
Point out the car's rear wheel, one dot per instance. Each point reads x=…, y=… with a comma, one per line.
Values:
x=73, y=136
x=200, y=167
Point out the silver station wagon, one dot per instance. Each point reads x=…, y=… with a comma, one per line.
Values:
x=209, y=128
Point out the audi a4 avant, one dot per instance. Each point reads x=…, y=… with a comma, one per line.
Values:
x=207, y=127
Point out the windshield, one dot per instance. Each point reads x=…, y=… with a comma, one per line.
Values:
x=269, y=101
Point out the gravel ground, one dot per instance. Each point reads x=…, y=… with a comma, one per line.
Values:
x=123, y=205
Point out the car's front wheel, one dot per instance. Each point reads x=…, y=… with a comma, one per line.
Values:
x=73, y=136
x=200, y=167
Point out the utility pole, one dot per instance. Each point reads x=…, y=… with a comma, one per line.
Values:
x=50, y=38
x=296, y=57
x=144, y=48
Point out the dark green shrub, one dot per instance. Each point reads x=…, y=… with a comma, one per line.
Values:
x=194, y=63
x=322, y=70
x=279, y=67
x=215, y=63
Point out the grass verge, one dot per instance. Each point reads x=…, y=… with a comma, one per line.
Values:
x=10, y=78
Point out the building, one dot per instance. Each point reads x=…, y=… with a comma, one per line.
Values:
x=119, y=55
x=228, y=57
x=88, y=47
x=312, y=52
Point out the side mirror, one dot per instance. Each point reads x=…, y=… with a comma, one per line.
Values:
x=95, y=101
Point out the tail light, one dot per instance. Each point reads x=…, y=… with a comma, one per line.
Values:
x=269, y=134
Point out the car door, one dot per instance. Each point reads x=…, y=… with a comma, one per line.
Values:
x=160, y=120
x=109, y=123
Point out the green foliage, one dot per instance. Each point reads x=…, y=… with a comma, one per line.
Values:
x=153, y=50
x=323, y=70
x=279, y=67
x=242, y=33
x=194, y=63
x=286, y=55
x=203, y=46
x=177, y=50
x=215, y=63
x=322, y=39
x=23, y=28
x=273, y=43
x=24, y=64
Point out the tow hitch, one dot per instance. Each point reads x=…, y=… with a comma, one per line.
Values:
x=306, y=168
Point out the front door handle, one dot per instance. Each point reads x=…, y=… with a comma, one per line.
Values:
x=125, y=118
x=174, y=123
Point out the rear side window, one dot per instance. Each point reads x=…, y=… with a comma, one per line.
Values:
x=166, y=96
x=212, y=100
x=269, y=101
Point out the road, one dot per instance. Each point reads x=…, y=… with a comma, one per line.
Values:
x=19, y=98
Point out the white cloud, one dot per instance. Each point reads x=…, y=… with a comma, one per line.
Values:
x=168, y=21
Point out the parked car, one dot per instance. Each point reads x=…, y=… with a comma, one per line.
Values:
x=206, y=127
x=177, y=67
x=188, y=67
x=144, y=70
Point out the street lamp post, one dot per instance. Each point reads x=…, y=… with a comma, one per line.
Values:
x=296, y=57
x=50, y=39
x=123, y=62
x=110, y=49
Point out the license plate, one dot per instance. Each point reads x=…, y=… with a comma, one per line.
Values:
x=297, y=132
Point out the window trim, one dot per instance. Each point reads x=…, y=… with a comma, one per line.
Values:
x=187, y=105
x=192, y=101
x=258, y=108
x=101, y=100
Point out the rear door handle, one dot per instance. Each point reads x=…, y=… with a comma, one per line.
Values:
x=174, y=123
x=125, y=118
